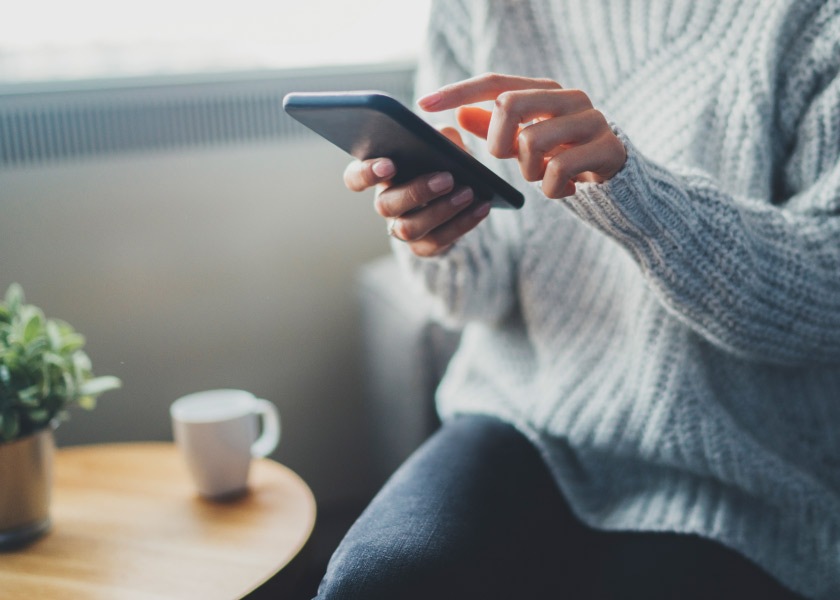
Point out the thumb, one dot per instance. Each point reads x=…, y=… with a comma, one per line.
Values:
x=454, y=136
x=474, y=119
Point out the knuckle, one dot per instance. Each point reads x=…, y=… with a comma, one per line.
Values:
x=596, y=118
x=406, y=230
x=557, y=173
x=425, y=249
x=551, y=190
x=381, y=206
x=489, y=77
x=614, y=152
x=506, y=102
x=528, y=141
x=616, y=146
x=557, y=190
x=580, y=97
x=496, y=149
x=413, y=194
x=386, y=201
x=530, y=173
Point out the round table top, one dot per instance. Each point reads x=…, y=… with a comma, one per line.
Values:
x=128, y=523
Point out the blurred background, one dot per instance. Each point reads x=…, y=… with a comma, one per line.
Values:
x=154, y=194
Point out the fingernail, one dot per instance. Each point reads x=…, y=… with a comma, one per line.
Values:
x=441, y=182
x=461, y=197
x=429, y=100
x=482, y=211
x=383, y=168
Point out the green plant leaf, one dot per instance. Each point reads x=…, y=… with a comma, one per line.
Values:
x=39, y=415
x=81, y=364
x=53, y=358
x=43, y=369
x=70, y=342
x=33, y=326
x=10, y=425
x=30, y=396
x=98, y=385
x=46, y=382
x=14, y=297
x=35, y=347
x=69, y=390
x=87, y=402
x=10, y=359
x=63, y=326
x=53, y=335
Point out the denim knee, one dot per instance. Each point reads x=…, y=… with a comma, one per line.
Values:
x=386, y=569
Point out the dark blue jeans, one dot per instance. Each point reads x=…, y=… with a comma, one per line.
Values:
x=474, y=513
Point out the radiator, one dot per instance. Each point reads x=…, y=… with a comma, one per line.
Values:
x=70, y=121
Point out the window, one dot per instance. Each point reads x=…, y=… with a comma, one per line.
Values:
x=47, y=40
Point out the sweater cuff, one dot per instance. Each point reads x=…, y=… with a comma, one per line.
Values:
x=637, y=205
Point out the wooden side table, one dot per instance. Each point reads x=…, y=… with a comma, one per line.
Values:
x=127, y=523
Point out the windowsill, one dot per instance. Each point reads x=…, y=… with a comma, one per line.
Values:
x=198, y=78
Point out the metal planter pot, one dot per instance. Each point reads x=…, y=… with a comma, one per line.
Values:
x=26, y=469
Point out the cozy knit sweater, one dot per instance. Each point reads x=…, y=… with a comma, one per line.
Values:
x=670, y=339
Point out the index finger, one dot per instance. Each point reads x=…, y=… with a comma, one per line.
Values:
x=478, y=89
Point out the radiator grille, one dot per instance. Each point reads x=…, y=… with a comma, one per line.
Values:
x=47, y=125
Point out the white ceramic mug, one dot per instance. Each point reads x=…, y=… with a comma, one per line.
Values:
x=217, y=432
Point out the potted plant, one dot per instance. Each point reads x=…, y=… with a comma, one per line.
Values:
x=43, y=372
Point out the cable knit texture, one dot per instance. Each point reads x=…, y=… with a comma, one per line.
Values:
x=669, y=339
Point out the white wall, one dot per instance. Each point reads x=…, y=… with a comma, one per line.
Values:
x=223, y=267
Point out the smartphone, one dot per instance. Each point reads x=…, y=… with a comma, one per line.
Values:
x=375, y=125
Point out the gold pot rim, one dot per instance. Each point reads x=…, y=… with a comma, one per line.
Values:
x=48, y=428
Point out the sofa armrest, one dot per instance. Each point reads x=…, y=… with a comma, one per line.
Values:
x=405, y=354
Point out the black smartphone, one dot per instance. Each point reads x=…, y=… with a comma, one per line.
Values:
x=375, y=125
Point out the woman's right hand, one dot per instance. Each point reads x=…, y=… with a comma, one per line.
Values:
x=429, y=212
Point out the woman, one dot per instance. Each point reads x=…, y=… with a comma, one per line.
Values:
x=646, y=399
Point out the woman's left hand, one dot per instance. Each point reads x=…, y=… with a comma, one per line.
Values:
x=554, y=133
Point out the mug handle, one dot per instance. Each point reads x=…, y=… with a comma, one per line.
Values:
x=271, y=428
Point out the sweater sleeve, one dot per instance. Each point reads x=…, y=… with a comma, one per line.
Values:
x=475, y=278
x=759, y=277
